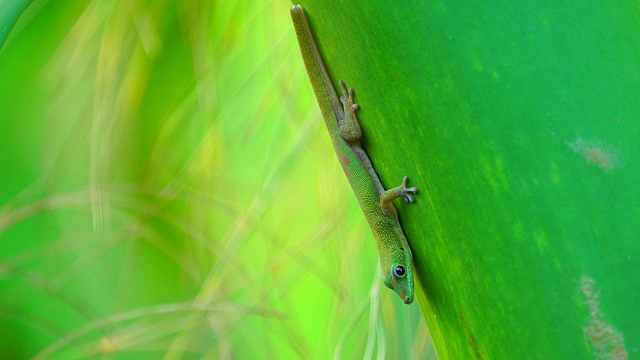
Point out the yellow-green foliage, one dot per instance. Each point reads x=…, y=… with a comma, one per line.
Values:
x=168, y=189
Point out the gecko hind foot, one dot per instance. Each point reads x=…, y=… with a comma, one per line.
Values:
x=347, y=98
x=405, y=191
x=348, y=126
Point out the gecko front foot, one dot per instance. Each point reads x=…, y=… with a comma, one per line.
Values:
x=405, y=191
x=401, y=191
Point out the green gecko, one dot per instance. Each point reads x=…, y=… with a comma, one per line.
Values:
x=340, y=117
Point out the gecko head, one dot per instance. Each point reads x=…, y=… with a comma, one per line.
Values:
x=399, y=276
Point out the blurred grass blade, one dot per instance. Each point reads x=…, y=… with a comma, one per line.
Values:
x=10, y=11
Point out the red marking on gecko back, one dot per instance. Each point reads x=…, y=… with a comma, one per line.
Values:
x=345, y=163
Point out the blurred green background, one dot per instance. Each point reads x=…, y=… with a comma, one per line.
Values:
x=168, y=190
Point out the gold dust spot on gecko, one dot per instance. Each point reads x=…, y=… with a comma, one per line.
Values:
x=599, y=153
x=606, y=341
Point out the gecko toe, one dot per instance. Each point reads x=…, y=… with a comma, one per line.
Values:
x=405, y=191
x=343, y=87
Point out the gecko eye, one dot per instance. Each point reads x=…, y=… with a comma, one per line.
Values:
x=399, y=271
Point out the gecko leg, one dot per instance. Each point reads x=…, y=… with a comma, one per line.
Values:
x=401, y=191
x=348, y=127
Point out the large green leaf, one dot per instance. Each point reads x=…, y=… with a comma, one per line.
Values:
x=518, y=121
